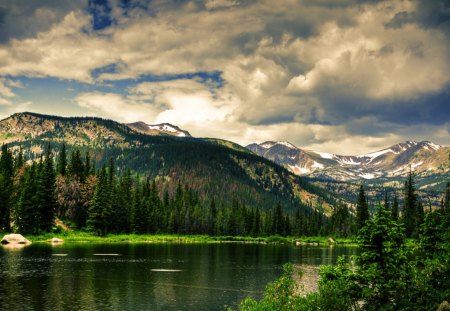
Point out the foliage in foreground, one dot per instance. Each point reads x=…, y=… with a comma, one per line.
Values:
x=388, y=275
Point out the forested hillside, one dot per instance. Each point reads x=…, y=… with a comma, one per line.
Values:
x=210, y=172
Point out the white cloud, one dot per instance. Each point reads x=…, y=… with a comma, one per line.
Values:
x=285, y=67
x=5, y=88
x=115, y=106
x=66, y=51
x=6, y=111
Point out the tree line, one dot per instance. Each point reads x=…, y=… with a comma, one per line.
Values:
x=70, y=187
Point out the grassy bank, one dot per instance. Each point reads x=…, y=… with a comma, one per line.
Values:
x=80, y=236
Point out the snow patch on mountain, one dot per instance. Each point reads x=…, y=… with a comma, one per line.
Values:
x=166, y=127
x=318, y=165
x=298, y=170
x=348, y=161
x=287, y=144
x=374, y=155
x=367, y=176
x=270, y=144
x=325, y=155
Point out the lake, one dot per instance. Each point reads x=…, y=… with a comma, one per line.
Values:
x=82, y=276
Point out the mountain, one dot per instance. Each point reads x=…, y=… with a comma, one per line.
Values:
x=213, y=168
x=386, y=167
x=159, y=129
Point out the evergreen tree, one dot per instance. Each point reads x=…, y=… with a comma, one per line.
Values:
x=99, y=211
x=278, y=225
x=256, y=228
x=6, y=187
x=87, y=164
x=47, y=178
x=76, y=167
x=27, y=216
x=386, y=203
x=447, y=198
x=362, y=209
x=410, y=209
x=297, y=226
x=19, y=160
x=121, y=204
x=395, y=211
x=383, y=263
x=61, y=166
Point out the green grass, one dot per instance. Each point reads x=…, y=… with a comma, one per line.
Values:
x=81, y=236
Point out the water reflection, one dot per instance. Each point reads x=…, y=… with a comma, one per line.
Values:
x=146, y=276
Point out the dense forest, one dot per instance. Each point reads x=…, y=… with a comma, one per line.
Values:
x=105, y=200
x=69, y=187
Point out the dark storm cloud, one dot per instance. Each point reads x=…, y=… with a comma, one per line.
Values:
x=24, y=18
x=432, y=14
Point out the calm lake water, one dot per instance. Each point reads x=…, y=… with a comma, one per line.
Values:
x=78, y=276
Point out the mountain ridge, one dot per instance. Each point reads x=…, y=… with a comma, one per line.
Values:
x=425, y=158
x=214, y=168
x=158, y=129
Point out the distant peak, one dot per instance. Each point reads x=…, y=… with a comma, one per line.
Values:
x=428, y=144
x=270, y=144
x=164, y=128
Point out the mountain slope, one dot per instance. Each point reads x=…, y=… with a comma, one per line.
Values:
x=159, y=129
x=209, y=166
x=425, y=159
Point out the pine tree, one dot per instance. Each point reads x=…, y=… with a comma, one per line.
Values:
x=256, y=228
x=47, y=177
x=121, y=204
x=395, y=211
x=6, y=188
x=410, y=208
x=447, y=198
x=362, y=209
x=76, y=167
x=19, y=160
x=61, y=166
x=98, y=214
x=383, y=263
x=278, y=225
x=27, y=216
x=87, y=164
x=387, y=205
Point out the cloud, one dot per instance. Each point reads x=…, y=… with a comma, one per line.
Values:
x=23, y=19
x=9, y=109
x=316, y=72
x=66, y=51
x=114, y=106
x=6, y=92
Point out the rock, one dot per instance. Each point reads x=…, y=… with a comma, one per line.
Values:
x=56, y=240
x=444, y=306
x=299, y=243
x=15, y=239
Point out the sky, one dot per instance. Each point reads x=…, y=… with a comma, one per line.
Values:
x=341, y=76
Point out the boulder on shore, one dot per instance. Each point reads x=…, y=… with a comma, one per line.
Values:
x=56, y=240
x=444, y=306
x=15, y=238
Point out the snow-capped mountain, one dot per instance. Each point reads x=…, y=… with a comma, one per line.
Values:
x=425, y=158
x=159, y=129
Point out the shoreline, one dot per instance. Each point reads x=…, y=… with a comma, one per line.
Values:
x=86, y=237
